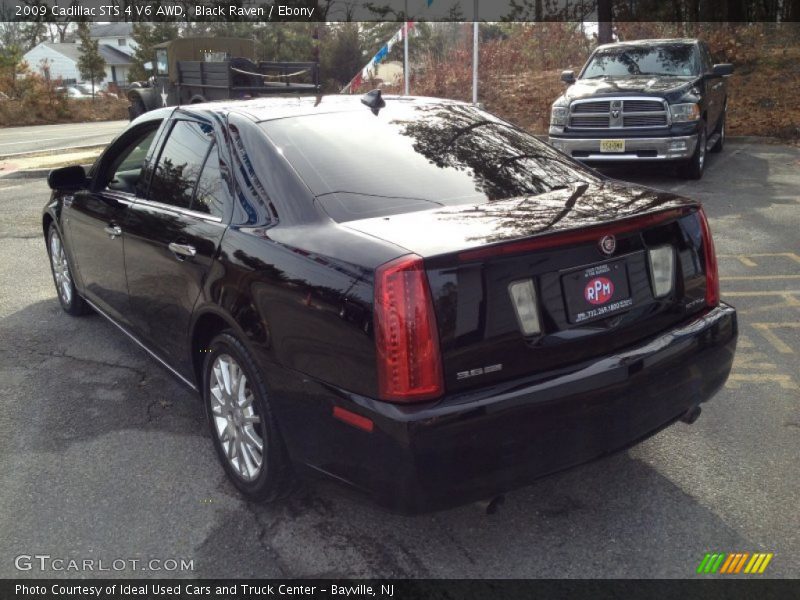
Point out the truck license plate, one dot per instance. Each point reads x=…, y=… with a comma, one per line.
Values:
x=612, y=145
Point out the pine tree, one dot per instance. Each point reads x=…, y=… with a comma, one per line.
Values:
x=91, y=65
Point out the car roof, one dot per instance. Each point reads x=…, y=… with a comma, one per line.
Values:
x=273, y=107
x=650, y=42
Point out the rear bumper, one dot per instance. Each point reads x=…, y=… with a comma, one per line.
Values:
x=474, y=445
x=636, y=148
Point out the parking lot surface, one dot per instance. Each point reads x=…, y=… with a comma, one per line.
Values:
x=104, y=455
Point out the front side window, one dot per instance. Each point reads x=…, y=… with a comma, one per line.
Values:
x=125, y=168
x=630, y=61
x=708, y=61
x=179, y=165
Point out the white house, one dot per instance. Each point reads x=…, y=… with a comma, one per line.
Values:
x=117, y=35
x=61, y=61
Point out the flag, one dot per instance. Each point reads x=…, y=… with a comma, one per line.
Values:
x=381, y=54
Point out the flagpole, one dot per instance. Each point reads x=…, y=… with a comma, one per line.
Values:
x=405, y=50
x=475, y=55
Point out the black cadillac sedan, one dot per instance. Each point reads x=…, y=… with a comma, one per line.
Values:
x=408, y=295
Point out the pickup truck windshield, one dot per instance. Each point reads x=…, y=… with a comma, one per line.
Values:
x=409, y=158
x=632, y=61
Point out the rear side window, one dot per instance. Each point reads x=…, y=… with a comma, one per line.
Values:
x=210, y=195
x=179, y=165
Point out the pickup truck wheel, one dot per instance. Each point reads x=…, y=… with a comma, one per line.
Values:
x=68, y=296
x=242, y=425
x=721, y=139
x=694, y=168
x=136, y=108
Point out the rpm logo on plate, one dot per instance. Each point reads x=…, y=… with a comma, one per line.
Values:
x=599, y=290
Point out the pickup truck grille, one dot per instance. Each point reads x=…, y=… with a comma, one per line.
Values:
x=592, y=107
x=644, y=121
x=589, y=121
x=618, y=113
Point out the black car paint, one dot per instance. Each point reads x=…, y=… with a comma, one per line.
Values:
x=297, y=288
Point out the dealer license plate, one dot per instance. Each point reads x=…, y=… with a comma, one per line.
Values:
x=598, y=291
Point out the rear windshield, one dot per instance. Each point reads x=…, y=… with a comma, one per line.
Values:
x=417, y=157
x=626, y=61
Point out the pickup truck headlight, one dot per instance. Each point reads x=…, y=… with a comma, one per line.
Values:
x=558, y=116
x=682, y=113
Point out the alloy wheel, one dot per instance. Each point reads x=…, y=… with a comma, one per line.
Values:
x=234, y=416
x=58, y=260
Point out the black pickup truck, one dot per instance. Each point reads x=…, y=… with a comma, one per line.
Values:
x=645, y=100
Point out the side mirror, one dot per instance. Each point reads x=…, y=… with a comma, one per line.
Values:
x=568, y=76
x=67, y=178
x=723, y=69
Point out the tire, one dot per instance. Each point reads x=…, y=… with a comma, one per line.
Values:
x=696, y=165
x=716, y=148
x=137, y=108
x=239, y=421
x=68, y=296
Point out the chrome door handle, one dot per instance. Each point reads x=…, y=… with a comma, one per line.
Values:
x=113, y=230
x=182, y=249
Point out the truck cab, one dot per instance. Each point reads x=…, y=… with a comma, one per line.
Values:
x=644, y=101
x=201, y=69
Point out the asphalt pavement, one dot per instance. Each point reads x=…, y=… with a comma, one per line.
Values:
x=43, y=138
x=104, y=455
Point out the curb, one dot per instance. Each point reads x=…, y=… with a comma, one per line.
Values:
x=52, y=152
x=33, y=173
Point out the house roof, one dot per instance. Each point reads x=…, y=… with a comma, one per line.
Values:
x=111, y=55
x=69, y=50
x=111, y=30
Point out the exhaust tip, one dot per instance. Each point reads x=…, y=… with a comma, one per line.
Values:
x=690, y=416
x=491, y=505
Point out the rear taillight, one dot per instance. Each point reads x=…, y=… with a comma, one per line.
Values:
x=712, y=274
x=406, y=338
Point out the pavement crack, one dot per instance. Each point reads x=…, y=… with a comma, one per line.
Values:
x=449, y=534
x=92, y=361
x=263, y=530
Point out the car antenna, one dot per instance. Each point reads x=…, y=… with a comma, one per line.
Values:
x=373, y=100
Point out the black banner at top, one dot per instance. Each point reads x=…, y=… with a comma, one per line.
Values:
x=400, y=10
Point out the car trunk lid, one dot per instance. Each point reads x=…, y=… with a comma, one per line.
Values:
x=589, y=301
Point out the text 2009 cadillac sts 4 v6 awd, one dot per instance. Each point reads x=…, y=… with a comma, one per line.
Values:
x=413, y=297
